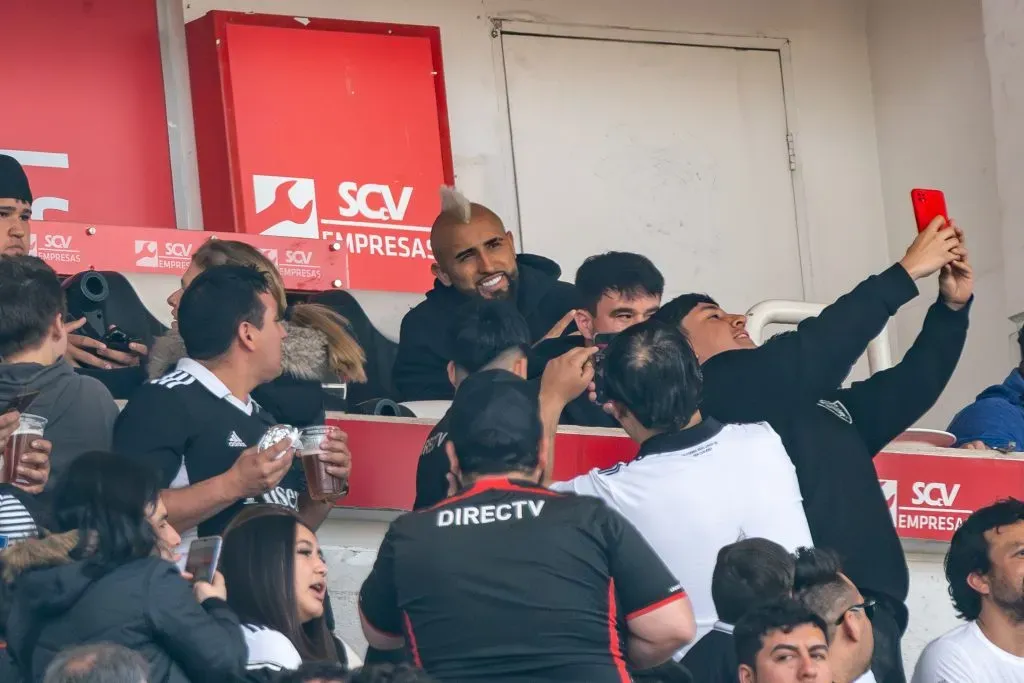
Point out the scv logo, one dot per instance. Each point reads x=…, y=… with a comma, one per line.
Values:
x=146, y=255
x=298, y=258
x=61, y=242
x=33, y=245
x=934, y=495
x=271, y=255
x=178, y=250
x=890, y=487
x=355, y=201
x=286, y=206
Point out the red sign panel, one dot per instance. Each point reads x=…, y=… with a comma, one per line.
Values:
x=71, y=248
x=334, y=130
x=929, y=495
x=85, y=111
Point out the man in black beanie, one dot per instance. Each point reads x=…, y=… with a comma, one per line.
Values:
x=15, y=208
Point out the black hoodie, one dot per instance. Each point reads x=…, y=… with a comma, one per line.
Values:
x=53, y=603
x=421, y=372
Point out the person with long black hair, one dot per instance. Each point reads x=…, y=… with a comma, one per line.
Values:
x=108, y=576
x=273, y=563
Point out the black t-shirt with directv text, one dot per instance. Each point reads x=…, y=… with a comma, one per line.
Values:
x=188, y=426
x=510, y=582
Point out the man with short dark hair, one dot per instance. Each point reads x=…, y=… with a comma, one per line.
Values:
x=985, y=571
x=79, y=410
x=98, y=663
x=198, y=424
x=996, y=418
x=749, y=573
x=507, y=581
x=783, y=642
x=821, y=587
x=616, y=290
x=793, y=382
x=486, y=335
x=15, y=208
x=476, y=259
x=696, y=485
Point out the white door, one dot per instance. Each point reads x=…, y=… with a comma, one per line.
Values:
x=673, y=151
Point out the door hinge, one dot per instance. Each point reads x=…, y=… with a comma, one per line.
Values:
x=791, y=146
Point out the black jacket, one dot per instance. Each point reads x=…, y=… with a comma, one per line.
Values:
x=420, y=372
x=712, y=659
x=832, y=434
x=145, y=605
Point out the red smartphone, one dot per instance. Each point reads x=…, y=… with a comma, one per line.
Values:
x=927, y=205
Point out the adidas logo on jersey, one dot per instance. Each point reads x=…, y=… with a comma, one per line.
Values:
x=235, y=441
x=178, y=378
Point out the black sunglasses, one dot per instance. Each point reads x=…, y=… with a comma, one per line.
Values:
x=869, y=610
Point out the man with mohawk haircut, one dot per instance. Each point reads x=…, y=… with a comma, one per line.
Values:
x=476, y=258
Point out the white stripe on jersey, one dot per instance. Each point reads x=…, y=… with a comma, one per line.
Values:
x=174, y=379
x=15, y=521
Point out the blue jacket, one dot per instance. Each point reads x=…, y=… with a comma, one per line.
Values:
x=996, y=417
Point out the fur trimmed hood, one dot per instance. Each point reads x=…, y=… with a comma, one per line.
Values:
x=37, y=553
x=303, y=354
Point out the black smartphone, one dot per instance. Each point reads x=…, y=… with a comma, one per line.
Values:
x=601, y=341
x=118, y=340
x=20, y=403
x=203, y=558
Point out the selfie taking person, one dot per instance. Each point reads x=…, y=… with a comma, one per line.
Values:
x=199, y=426
x=793, y=382
x=104, y=577
x=476, y=259
x=688, y=465
x=616, y=290
x=508, y=581
x=985, y=572
x=279, y=598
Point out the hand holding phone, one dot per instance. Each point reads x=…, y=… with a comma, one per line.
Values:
x=203, y=558
x=601, y=341
x=928, y=205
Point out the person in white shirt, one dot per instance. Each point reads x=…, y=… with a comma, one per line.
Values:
x=696, y=485
x=985, y=570
x=821, y=587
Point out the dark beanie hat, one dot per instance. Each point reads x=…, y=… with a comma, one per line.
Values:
x=13, y=181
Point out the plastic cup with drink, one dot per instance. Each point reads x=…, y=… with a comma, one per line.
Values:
x=322, y=485
x=30, y=428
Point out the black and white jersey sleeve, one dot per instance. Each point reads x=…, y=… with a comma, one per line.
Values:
x=642, y=581
x=154, y=426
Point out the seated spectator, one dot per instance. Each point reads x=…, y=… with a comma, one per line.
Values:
x=748, y=574
x=821, y=587
x=80, y=412
x=103, y=578
x=389, y=673
x=15, y=208
x=782, y=642
x=280, y=598
x=476, y=259
x=508, y=581
x=100, y=663
x=199, y=426
x=486, y=335
x=986, y=581
x=693, y=478
x=22, y=511
x=793, y=382
x=616, y=290
x=996, y=418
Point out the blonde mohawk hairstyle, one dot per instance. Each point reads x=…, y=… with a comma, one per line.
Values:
x=455, y=206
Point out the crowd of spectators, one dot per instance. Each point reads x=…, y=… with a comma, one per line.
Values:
x=747, y=541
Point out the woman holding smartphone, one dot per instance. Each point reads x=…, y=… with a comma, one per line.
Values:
x=106, y=576
x=278, y=578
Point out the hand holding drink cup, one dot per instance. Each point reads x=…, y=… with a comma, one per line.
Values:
x=26, y=455
x=327, y=461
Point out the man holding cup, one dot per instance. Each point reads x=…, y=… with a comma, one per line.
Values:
x=216, y=448
x=23, y=475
